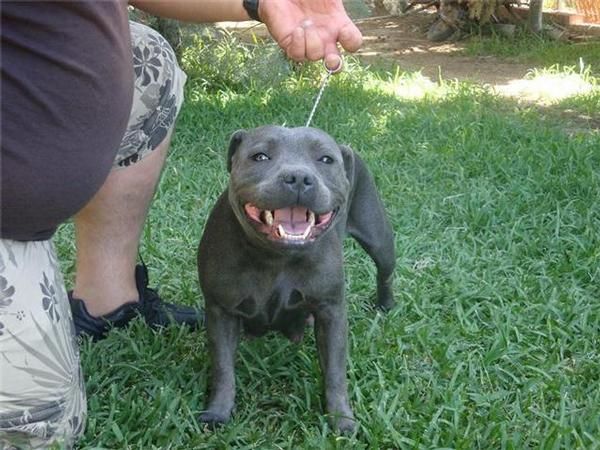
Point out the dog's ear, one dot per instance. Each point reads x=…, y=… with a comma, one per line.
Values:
x=234, y=143
x=349, y=162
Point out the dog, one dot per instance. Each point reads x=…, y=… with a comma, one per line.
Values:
x=271, y=255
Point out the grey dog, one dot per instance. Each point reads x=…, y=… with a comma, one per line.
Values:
x=271, y=256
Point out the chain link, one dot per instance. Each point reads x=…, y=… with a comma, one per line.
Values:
x=319, y=95
x=322, y=88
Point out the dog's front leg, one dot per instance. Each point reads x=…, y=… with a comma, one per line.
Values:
x=331, y=331
x=223, y=332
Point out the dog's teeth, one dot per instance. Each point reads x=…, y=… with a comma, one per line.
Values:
x=311, y=219
x=281, y=231
x=306, y=232
x=268, y=215
x=293, y=237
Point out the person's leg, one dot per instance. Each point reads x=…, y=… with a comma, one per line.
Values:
x=42, y=397
x=109, y=288
x=108, y=230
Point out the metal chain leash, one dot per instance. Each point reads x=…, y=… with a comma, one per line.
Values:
x=321, y=89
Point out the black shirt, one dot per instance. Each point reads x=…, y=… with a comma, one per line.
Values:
x=66, y=92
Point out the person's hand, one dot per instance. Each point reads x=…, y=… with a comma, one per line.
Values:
x=311, y=29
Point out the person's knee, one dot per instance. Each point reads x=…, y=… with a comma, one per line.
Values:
x=158, y=95
x=42, y=398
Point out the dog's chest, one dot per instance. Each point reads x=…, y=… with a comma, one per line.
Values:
x=281, y=302
x=284, y=310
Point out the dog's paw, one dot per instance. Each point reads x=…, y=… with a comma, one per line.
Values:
x=212, y=418
x=385, y=298
x=382, y=304
x=344, y=425
x=386, y=305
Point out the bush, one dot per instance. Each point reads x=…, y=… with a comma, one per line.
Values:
x=216, y=59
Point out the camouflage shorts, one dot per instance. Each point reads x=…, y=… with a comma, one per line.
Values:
x=42, y=397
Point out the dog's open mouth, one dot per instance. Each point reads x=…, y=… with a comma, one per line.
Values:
x=295, y=224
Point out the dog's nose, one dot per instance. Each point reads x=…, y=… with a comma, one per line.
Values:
x=298, y=181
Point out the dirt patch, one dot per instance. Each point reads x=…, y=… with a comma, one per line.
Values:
x=394, y=40
x=401, y=41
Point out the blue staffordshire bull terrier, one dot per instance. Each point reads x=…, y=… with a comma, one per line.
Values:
x=271, y=255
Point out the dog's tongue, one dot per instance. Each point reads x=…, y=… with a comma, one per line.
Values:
x=293, y=220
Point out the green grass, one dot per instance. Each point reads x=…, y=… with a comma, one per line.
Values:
x=495, y=339
x=540, y=50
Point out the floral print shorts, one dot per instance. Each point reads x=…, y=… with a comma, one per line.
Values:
x=157, y=96
x=42, y=396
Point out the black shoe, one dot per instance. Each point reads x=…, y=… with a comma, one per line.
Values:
x=155, y=312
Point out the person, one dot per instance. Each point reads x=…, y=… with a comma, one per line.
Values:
x=89, y=103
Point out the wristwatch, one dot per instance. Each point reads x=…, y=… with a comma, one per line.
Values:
x=251, y=7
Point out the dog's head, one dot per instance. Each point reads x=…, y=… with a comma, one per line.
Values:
x=288, y=186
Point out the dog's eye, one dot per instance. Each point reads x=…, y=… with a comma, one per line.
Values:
x=326, y=159
x=260, y=157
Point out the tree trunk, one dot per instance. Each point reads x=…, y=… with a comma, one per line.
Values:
x=535, y=15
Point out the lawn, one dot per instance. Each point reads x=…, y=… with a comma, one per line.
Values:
x=495, y=339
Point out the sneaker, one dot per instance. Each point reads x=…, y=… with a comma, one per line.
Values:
x=155, y=312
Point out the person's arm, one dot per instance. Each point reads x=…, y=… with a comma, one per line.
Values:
x=305, y=29
x=195, y=10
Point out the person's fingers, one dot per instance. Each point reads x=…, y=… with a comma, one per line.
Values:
x=350, y=37
x=296, y=48
x=307, y=42
x=333, y=62
x=332, y=59
x=313, y=43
